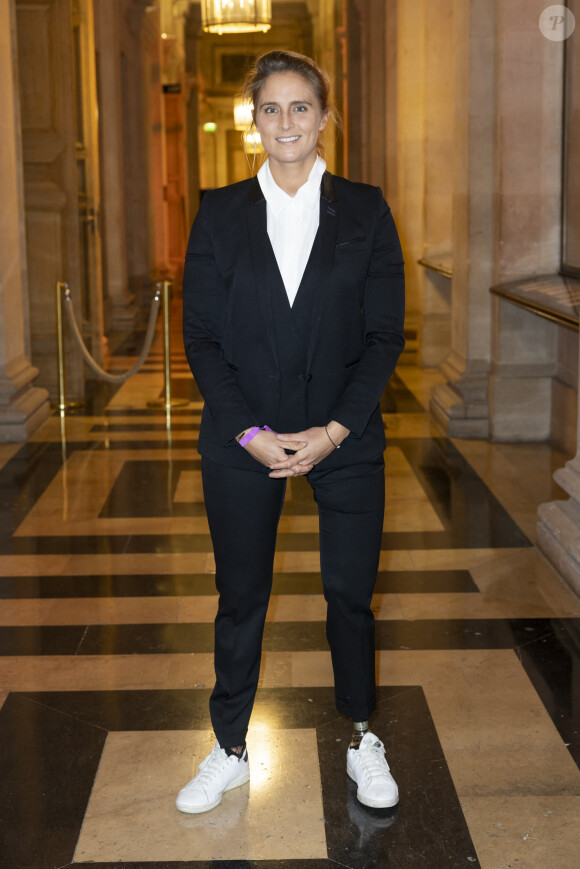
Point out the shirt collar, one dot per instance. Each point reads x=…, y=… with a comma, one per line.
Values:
x=278, y=199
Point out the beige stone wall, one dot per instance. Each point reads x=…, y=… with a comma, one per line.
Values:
x=23, y=406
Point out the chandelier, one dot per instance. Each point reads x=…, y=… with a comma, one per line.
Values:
x=236, y=16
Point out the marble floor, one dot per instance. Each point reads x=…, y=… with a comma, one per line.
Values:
x=106, y=607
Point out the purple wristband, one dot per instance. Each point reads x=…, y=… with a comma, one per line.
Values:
x=251, y=434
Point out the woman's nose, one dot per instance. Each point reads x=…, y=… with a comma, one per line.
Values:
x=285, y=120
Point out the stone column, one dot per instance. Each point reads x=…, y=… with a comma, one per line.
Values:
x=528, y=218
x=460, y=405
x=558, y=529
x=108, y=23
x=22, y=405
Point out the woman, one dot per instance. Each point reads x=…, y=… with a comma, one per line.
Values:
x=293, y=324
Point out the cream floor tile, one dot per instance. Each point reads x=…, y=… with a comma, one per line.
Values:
x=136, y=392
x=55, y=524
x=497, y=737
x=6, y=453
x=308, y=562
x=524, y=576
x=189, y=489
x=84, y=672
x=72, y=429
x=197, y=671
x=410, y=515
x=131, y=563
x=131, y=815
x=197, y=608
x=307, y=608
x=33, y=565
x=112, y=611
x=24, y=612
x=190, y=671
x=494, y=730
x=527, y=832
x=476, y=606
x=165, y=610
x=311, y=669
x=456, y=559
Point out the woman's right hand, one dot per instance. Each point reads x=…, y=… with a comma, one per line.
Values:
x=266, y=449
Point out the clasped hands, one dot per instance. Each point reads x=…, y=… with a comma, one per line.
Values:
x=311, y=446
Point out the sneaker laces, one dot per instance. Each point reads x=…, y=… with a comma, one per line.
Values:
x=372, y=759
x=212, y=765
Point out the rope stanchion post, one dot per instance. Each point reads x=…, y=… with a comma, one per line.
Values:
x=63, y=404
x=167, y=402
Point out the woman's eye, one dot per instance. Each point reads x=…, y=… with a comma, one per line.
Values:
x=300, y=108
x=270, y=110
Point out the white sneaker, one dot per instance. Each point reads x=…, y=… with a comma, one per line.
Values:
x=217, y=773
x=367, y=766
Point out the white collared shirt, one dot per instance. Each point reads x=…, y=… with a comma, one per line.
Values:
x=292, y=223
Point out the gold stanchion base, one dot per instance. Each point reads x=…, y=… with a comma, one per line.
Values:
x=167, y=405
x=70, y=405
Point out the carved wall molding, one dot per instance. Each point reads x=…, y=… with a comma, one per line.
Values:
x=44, y=196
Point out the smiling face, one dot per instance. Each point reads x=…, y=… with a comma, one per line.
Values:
x=289, y=117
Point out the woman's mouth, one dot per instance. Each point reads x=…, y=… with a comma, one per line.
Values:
x=287, y=140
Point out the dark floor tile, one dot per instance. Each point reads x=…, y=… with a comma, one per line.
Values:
x=471, y=514
x=425, y=582
x=144, y=489
x=180, y=412
x=39, y=640
x=185, y=387
x=552, y=663
x=141, y=426
x=49, y=761
x=428, y=819
x=98, y=394
x=397, y=398
x=173, y=638
x=162, y=585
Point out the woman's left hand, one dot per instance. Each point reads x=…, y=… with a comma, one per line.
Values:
x=316, y=447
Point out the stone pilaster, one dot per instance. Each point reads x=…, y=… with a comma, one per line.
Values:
x=22, y=405
x=113, y=125
x=461, y=405
x=558, y=529
x=528, y=219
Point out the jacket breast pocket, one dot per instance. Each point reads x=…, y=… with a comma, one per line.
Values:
x=350, y=245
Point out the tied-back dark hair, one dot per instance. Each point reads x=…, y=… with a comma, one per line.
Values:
x=290, y=61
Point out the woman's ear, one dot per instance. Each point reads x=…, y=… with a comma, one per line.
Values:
x=324, y=120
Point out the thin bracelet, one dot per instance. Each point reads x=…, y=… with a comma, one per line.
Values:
x=336, y=446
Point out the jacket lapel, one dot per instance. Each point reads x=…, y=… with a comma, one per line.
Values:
x=259, y=245
x=319, y=267
x=323, y=259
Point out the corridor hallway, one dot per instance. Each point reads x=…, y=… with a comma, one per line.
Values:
x=107, y=600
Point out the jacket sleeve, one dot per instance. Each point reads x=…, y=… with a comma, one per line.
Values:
x=204, y=318
x=383, y=313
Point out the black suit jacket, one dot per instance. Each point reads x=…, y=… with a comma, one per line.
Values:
x=356, y=274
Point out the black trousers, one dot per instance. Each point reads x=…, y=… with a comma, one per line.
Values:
x=243, y=509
